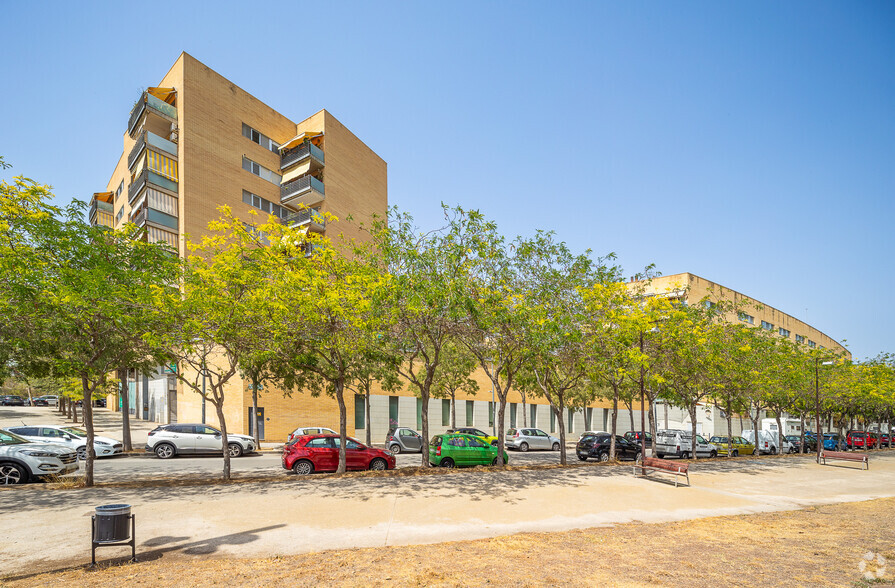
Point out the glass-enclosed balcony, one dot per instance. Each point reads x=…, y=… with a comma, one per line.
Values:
x=304, y=190
x=154, y=101
x=304, y=152
x=152, y=140
x=102, y=210
x=307, y=217
x=149, y=178
x=150, y=215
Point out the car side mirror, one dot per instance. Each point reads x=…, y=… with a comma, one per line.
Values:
x=68, y=437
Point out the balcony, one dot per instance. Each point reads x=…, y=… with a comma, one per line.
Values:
x=150, y=215
x=147, y=103
x=139, y=219
x=301, y=153
x=149, y=177
x=154, y=141
x=304, y=190
x=101, y=213
x=306, y=217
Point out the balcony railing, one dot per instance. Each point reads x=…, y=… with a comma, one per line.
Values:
x=149, y=101
x=96, y=205
x=153, y=140
x=140, y=218
x=309, y=217
x=149, y=177
x=306, y=190
x=300, y=153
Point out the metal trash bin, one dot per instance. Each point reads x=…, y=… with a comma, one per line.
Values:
x=113, y=524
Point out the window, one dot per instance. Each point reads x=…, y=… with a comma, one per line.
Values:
x=120, y=214
x=821, y=347
x=767, y=326
x=513, y=407
x=571, y=421
x=157, y=235
x=747, y=318
x=419, y=413
x=800, y=339
x=360, y=410
x=260, y=171
x=392, y=411
x=264, y=204
x=490, y=414
x=161, y=201
x=534, y=415
x=259, y=138
x=552, y=421
x=784, y=333
x=588, y=418
x=120, y=188
x=445, y=413
x=810, y=343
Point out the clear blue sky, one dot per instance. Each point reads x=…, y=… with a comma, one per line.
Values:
x=750, y=143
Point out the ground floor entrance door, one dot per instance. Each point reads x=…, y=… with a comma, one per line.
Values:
x=256, y=422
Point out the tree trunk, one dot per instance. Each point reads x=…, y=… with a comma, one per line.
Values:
x=73, y=414
x=501, y=432
x=424, y=417
x=631, y=415
x=218, y=403
x=652, y=426
x=729, y=428
x=126, y=441
x=802, y=448
x=755, y=432
x=693, y=443
x=255, y=432
x=367, y=420
x=562, y=433
x=779, y=430
x=453, y=409
x=88, y=422
x=613, y=431
x=339, y=386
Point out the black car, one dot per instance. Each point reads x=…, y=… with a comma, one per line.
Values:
x=597, y=447
x=796, y=442
x=635, y=436
x=12, y=401
x=39, y=402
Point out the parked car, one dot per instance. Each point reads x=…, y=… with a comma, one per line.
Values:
x=679, y=443
x=72, y=437
x=307, y=454
x=38, y=402
x=12, y=400
x=310, y=431
x=459, y=450
x=491, y=439
x=598, y=446
x=525, y=439
x=166, y=441
x=768, y=442
x=860, y=440
x=796, y=442
x=635, y=436
x=738, y=446
x=22, y=460
x=403, y=440
x=51, y=400
x=834, y=442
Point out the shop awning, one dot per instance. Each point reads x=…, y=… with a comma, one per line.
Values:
x=299, y=139
x=104, y=196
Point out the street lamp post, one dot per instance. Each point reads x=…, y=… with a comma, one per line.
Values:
x=642, y=413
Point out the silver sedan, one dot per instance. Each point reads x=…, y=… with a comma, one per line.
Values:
x=525, y=439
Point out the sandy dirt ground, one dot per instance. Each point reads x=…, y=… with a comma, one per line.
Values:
x=817, y=546
x=47, y=529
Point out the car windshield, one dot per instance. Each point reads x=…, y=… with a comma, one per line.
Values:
x=75, y=431
x=7, y=438
x=588, y=437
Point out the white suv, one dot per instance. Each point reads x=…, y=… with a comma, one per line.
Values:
x=21, y=460
x=72, y=437
x=169, y=440
x=310, y=431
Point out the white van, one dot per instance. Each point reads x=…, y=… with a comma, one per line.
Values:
x=768, y=442
x=678, y=443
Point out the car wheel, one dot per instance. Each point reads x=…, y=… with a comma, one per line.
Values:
x=685, y=455
x=447, y=462
x=556, y=447
x=660, y=455
x=234, y=449
x=11, y=473
x=773, y=451
x=582, y=457
x=164, y=450
x=303, y=467
x=735, y=453
x=378, y=465
x=494, y=443
x=604, y=456
x=755, y=452
x=82, y=453
x=495, y=461
x=395, y=449
x=713, y=454
x=523, y=447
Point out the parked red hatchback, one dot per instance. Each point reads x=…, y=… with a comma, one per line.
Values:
x=862, y=439
x=320, y=453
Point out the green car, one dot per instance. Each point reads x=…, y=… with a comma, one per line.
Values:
x=739, y=446
x=458, y=450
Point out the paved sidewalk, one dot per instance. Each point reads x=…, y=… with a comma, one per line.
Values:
x=325, y=512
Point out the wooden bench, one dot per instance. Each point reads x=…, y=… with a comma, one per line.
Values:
x=861, y=457
x=654, y=464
